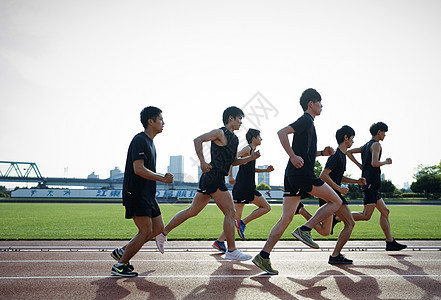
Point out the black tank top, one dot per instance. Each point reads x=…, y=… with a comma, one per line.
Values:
x=372, y=174
x=223, y=156
x=246, y=175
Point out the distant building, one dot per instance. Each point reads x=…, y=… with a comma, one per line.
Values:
x=263, y=177
x=93, y=176
x=383, y=177
x=116, y=173
x=406, y=186
x=176, y=167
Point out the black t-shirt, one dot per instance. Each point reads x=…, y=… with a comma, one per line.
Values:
x=141, y=147
x=372, y=174
x=246, y=175
x=304, y=144
x=337, y=164
x=223, y=156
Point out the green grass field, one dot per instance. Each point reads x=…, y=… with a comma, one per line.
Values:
x=51, y=221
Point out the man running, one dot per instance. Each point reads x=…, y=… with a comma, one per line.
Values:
x=244, y=189
x=300, y=180
x=370, y=169
x=333, y=175
x=139, y=190
x=224, y=145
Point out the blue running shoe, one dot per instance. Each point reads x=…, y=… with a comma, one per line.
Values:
x=240, y=225
x=219, y=246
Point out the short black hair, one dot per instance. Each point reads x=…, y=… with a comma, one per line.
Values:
x=378, y=126
x=232, y=111
x=149, y=112
x=252, y=133
x=345, y=130
x=309, y=95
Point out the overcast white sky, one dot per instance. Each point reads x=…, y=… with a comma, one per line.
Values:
x=74, y=76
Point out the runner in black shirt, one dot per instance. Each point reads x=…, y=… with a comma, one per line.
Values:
x=300, y=180
x=370, y=168
x=333, y=175
x=139, y=190
x=212, y=183
x=244, y=190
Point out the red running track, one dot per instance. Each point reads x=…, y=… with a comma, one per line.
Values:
x=191, y=270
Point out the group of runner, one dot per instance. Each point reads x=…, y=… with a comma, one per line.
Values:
x=300, y=181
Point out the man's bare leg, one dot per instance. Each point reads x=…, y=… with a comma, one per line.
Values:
x=148, y=228
x=366, y=214
x=384, y=219
x=289, y=208
x=333, y=203
x=345, y=215
x=198, y=203
x=225, y=203
x=263, y=207
x=239, y=209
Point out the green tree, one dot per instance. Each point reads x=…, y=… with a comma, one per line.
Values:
x=428, y=181
x=388, y=188
x=428, y=170
x=4, y=193
x=427, y=184
x=354, y=191
x=318, y=168
x=263, y=186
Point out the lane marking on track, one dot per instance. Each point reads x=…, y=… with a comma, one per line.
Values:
x=437, y=260
x=224, y=276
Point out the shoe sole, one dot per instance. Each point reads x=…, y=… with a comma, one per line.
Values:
x=263, y=269
x=157, y=246
x=123, y=275
x=339, y=262
x=242, y=237
x=398, y=249
x=236, y=259
x=217, y=248
x=245, y=259
x=304, y=242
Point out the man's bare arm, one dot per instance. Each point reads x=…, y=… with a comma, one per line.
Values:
x=142, y=171
x=215, y=134
x=350, y=153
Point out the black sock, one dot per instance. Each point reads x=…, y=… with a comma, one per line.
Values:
x=305, y=228
x=264, y=254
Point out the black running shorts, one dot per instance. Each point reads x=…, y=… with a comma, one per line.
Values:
x=300, y=186
x=371, y=196
x=142, y=208
x=211, y=182
x=245, y=198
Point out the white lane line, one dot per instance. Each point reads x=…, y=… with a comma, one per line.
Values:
x=437, y=260
x=224, y=276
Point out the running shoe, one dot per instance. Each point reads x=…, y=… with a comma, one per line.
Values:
x=123, y=270
x=339, y=259
x=219, y=246
x=160, y=241
x=117, y=253
x=237, y=255
x=264, y=264
x=394, y=246
x=305, y=237
x=240, y=226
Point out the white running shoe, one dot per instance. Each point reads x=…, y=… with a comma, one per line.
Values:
x=237, y=255
x=160, y=241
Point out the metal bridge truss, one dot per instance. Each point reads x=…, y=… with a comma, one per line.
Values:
x=27, y=167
